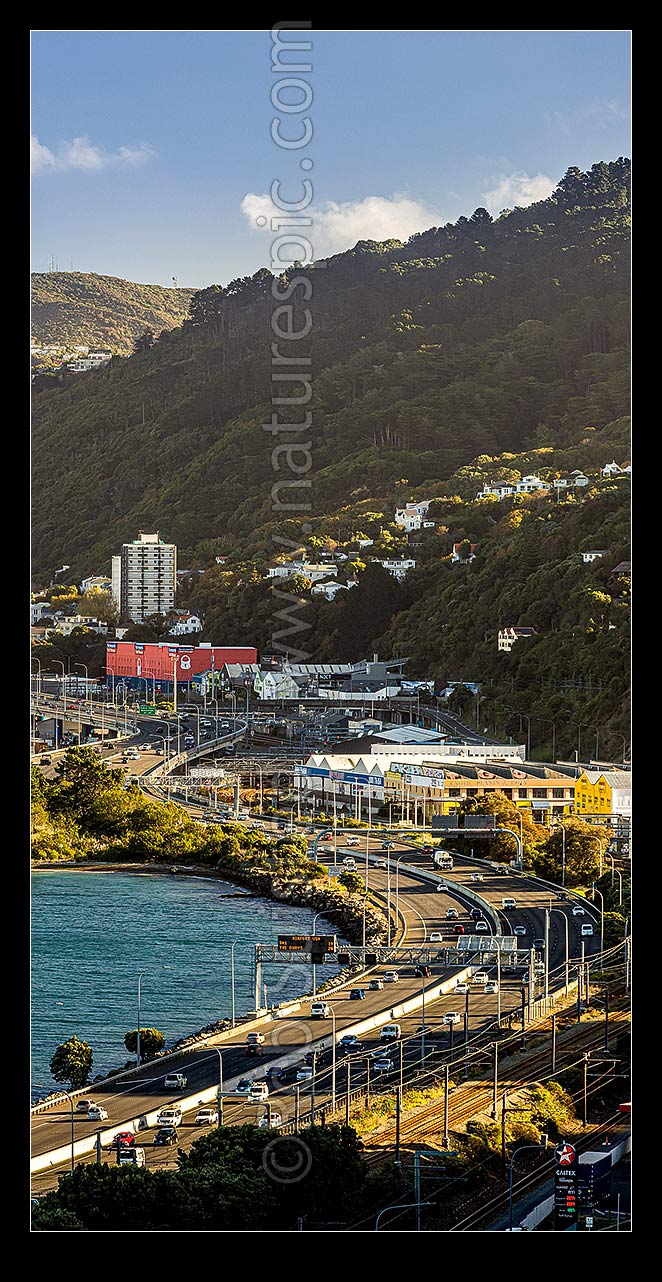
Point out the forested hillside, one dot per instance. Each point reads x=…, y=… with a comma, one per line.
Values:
x=71, y=308
x=485, y=349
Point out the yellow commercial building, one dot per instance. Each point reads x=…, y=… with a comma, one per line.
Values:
x=603, y=792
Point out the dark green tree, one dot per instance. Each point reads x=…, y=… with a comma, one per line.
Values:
x=72, y=1062
x=151, y=1041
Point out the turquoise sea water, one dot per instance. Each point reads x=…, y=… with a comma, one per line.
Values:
x=93, y=931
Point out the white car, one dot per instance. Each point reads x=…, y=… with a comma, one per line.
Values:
x=97, y=1113
x=492, y=987
x=451, y=912
x=481, y=928
x=451, y=1017
x=175, y=1082
x=442, y=885
x=170, y=1116
x=477, y=876
x=577, y=910
x=276, y=1120
x=436, y=937
x=462, y=988
x=259, y=1091
x=391, y=977
x=206, y=1117
x=380, y=863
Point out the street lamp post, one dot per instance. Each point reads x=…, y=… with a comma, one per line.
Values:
x=541, y=1145
x=567, y=959
x=71, y=1106
x=140, y=975
x=87, y=682
x=602, y=915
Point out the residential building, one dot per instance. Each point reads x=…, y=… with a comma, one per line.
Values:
x=594, y=555
x=501, y=489
x=412, y=515
x=185, y=623
x=613, y=469
x=330, y=589
x=397, y=568
x=508, y=636
x=144, y=577
x=66, y=625
x=464, y=559
x=623, y=567
x=574, y=480
x=100, y=581
x=309, y=569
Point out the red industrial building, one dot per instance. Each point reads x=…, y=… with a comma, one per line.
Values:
x=133, y=663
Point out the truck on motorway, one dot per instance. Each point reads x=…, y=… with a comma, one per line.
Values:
x=129, y=1156
x=442, y=859
x=593, y=1179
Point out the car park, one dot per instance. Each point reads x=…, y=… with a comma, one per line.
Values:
x=166, y=1135
x=357, y=995
x=169, y=1116
x=175, y=1082
x=206, y=1117
x=270, y=1120
x=436, y=937
x=451, y=912
x=391, y=977
x=451, y=1017
x=258, y=1091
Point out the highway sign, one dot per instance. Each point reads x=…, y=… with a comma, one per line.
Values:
x=306, y=943
x=147, y=709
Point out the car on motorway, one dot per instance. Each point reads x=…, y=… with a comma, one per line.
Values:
x=458, y=928
x=560, y=894
x=451, y=1017
x=462, y=988
x=97, y=1113
x=578, y=910
x=391, y=977
x=126, y=1138
x=539, y=943
x=441, y=885
x=427, y=848
x=387, y=845
x=349, y=1041
x=321, y=1010
x=272, y=1120
x=206, y=1117
x=477, y=876
x=326, y=836
x=305, y=1073
x=170, y=1115
x=451, y=913
x=476, y=914
x=131, y=1157
x=352, y=840
x=480, y=977
x=259, y=1091
x=382, y=1065
x=243, y=1085
x=508, y=902
x=376, y=984
x=492, y=987
x=423, y=972
x=380, y=863
x=166, y=1135
x=254, y=1039
x=390, y=1033
x=174, y=1082
x=481, y=927
x=587, y=928
x=84, y=1105
x=519, y=930
x=349, y=864
x=436, y=937
x=357, y=994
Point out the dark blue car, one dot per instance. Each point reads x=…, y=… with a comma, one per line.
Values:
x=357, y=995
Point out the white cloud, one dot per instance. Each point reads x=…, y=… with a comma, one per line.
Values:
x=517, y=189
x=336, y=227
x=83, y=155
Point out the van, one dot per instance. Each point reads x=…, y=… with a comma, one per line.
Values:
x=130, y=1156
x=480, y=977
x=587, y=929
x=390, y=1033
x=349, y=864
x=352, y=840
x=508, y=902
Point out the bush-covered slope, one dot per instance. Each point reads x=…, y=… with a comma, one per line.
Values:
x=71, y=308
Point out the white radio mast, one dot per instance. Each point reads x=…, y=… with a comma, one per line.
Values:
x=175, y=281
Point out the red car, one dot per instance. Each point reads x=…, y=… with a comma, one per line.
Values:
x=326, y=836
x=124, y=1137
x=459, y=929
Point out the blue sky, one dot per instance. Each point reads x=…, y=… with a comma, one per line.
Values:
x=154, y=155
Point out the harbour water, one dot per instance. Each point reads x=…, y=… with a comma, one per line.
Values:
x=92, y=932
